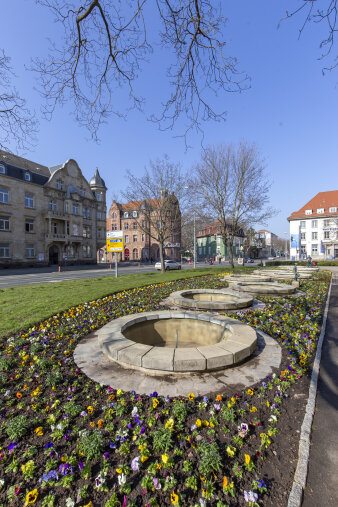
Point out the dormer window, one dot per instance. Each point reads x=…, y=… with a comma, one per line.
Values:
x=320, y=210
x=134, y=214
x=27, y=176
x=59, y=184
x=2, y=169
x=308, y=212
x=126, y=214
x=333, y=209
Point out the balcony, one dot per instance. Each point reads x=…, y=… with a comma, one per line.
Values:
x=56, y=237
x=56, y=214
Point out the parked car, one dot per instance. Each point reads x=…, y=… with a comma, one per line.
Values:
x=248, y=259
x=168, y=265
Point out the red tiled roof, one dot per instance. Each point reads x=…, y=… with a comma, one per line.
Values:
x=324, y=200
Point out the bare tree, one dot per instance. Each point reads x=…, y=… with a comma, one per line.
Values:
x=231, y=185
x=160, y=191
x=17, y=124
x=324, y=12
x=105, y=45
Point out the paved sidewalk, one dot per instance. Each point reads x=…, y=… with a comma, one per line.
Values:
x=322, y=482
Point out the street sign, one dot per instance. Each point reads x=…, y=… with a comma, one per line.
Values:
x=114, y=240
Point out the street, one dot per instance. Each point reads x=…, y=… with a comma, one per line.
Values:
x=30, y=276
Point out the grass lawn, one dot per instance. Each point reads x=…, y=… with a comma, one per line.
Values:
x=22, y=307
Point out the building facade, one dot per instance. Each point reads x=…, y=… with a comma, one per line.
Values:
x=264, y=243
x=210, y=243
x=49, y=215
x=314, y=228
x=138, y=233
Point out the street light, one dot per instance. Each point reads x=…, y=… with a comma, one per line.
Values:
x=286, y=243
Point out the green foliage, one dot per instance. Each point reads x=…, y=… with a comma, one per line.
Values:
x=113, y=501
x=162, y=440
x=54, y=378
x=179, y=411
x=91, y=445
x=228, y=413
x=72, y=409
x=210, y=458
x=192, y=483
x=17, y=427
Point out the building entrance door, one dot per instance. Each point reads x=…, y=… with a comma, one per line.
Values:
x=53, y=255
x=126, y=254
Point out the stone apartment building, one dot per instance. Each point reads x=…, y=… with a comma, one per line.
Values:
x=138, y=243
x=314, y=228
x=49, y=215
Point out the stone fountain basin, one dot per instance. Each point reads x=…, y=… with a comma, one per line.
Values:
x=264, y=288
x=210, y=299
x=147, y=341
x=288, y=275
x=260, y=277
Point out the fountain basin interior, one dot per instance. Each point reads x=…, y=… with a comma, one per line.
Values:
x=251, y=277
x=209, y=299
x=264, y=288
x=177, y=341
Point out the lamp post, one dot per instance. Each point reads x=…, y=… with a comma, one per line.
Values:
x=286, y=243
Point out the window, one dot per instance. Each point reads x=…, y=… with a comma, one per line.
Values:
x=142, y=237
x=308, y=212
x=99, y=196
x=135, y=238
x=4, y=223
x=4, y=195
x=29, y=225
x=113, y=215
x=134, y=214
x=314, y=249
x=114, y=227
x=84, y=212
x=326, y=235
x=135, y=254
x=326, y=223
x=66, y=207
x=82, y=192
x=88, y=213
x=134, y=225
x=302, y=235
x=67, y=228
x=54, y=227
x=29, y=201
x=75, y=209
x=27, y=176
x=126, y=239
x=302, y=224
x=2, y=169
x=303, y=249
x=126, y=226
x=52, y=205
x=4, y=250
x=99, y=215
x=59, y=184
x=314, y=224
x=75, y=230
x=320, y=210
x=125, y=214
x=333, y=209
x=315, y=235
x=30, y=252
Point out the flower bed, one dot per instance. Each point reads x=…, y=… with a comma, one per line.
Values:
x=68, y=441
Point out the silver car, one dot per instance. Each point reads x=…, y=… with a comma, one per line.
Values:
x=168, y=265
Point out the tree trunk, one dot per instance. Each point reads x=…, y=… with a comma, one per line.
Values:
x=231, y=257
x=161, y=257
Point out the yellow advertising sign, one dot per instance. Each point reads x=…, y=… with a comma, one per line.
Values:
x=114, y=241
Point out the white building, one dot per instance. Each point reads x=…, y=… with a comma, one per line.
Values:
x=314, y=228
x=264, y=243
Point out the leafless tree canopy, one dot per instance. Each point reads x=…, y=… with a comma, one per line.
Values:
x=323, y=12
x=17, y=125
x=231, y=185
x=161, y=191
x=106, y=43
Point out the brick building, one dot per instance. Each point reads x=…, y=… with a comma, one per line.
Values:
x=49, y=215
x=210, y=242
x=136, y=219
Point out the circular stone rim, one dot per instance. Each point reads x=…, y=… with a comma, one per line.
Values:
x=280, y=288
x=166, y=360
x=177, y=298
x=250, y=277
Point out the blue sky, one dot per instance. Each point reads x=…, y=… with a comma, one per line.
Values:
x=290, y=111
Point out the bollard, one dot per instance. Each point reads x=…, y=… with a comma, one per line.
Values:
x=59, y=269
x=110, y=266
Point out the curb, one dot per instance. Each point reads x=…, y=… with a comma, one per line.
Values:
x=299, y=481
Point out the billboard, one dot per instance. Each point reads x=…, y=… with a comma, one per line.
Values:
x=114, y=241
x=294, y=240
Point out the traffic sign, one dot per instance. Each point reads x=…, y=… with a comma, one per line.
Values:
x=114, y=241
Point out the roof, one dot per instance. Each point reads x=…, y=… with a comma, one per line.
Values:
x=323, y=200
x=23, y=163
x=135, y=205
x=97, y=181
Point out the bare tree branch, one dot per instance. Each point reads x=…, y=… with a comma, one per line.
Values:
x=325, y=12
x=17, y=124
x=231, y=185
x=105, y=44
